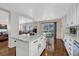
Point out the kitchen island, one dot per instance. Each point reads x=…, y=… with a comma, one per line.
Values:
x=30, y=45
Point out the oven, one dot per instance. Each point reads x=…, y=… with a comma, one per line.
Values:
x=76, y=48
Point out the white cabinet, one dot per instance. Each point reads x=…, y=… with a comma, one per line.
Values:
x=72, y=16
x=22, y=47
x=33, y=48
x=68, y=41
x=38, y=46
x=70, y=46
x=41, y=45
x=77, y=14
x=71, y=21
x=69, y=18
x=44, y=44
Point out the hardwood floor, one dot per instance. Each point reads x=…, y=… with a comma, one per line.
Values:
x=58, y=51
x=3, y=47
x=3, y=44
x=4, y=50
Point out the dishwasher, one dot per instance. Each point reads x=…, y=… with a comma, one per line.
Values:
x=76, y=48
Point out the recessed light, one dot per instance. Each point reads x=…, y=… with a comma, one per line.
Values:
x=30, y=10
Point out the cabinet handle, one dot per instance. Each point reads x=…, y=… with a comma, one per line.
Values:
x=76, y=45
x=65, y=40
x=69, y=48
x=15, y=41
x=39, y=46
x=70, y=45
x=35, y=41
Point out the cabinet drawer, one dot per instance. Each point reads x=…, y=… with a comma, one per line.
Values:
x=70, y=44
x=70, y=54
x=34, y=43
x=70, y=49
x=70, y=39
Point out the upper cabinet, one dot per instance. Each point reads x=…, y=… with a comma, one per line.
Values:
x=77, y=14
x=63, y=25
x=72, y=16
x=69, y=18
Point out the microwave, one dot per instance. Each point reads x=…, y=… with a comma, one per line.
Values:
x=73, y=30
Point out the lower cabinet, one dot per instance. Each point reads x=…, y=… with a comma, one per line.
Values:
x=38, y=47
x=69, y=45
x=22, y=48
x=41, y=46
x=33, y=48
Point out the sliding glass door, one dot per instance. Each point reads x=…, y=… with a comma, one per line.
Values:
x=49, y=29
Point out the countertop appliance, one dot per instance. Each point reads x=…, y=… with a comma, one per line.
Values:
x=73, y=30
x=76, y=48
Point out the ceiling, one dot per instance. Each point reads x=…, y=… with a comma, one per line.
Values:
x=39, y=11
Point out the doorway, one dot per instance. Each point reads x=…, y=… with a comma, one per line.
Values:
x=49, y=29
x=4, y=18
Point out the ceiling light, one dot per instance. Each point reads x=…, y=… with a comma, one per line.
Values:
x=30, y=10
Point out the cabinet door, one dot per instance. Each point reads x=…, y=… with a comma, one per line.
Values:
x=40, y=48
x=69, y=45
x=34, y=48
x=34, y=51
x=71, y=16
x=64, y=22
x=22, y=48
x=41, y=45
x=78, y=14
x=74, y=15
x=69, y=19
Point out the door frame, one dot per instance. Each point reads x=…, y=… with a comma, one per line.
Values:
x=8, y=25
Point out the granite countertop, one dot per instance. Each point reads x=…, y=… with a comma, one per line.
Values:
x=27, y=38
